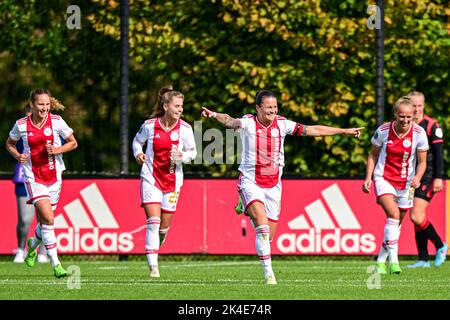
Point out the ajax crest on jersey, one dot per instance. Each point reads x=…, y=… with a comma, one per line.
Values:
x=274, y=132
x=48, y=132
x=407, y=143
x=174, y=136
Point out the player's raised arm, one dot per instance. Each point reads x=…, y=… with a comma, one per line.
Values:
x=223, y=118
x=319, y=130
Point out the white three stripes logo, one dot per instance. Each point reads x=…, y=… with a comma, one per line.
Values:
x=319, y=216
x=78, y=216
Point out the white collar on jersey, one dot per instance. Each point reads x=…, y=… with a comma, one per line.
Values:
x=164, y=127
x=40, y=127
x=405, y=134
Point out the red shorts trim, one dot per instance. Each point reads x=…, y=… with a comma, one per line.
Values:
x=167, y=211
x=272, y=220
x=142, y=204
x=32, y=199
x=384, y=194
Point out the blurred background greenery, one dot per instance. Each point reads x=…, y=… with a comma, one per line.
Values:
x=318, y=56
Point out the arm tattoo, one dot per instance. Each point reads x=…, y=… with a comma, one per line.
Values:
x=304, y=131
x=230, y=122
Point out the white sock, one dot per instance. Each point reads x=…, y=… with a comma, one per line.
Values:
x=37, y=239
x=163, y=235
x=391, y=236
x=42, y=249
x=152, y=240
x=384, y=254
x=49, y=239
x=263, y=248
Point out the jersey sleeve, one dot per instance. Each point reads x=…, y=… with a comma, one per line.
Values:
x=422, y=142
x=377, y=138
x=142, y=135
x=189, y=148
x=139, y=140
x=291, y=128
x=14, y=134
x=63, y=129
x=437, y=135
x=245, y=122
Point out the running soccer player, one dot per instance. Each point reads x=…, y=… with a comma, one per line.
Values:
x=170, y=142
x=41, y=134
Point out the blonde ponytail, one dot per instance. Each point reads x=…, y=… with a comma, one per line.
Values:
x=56, y=105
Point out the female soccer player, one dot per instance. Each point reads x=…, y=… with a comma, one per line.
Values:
x=43, y=164
x=170, y=142
x=261, y=167
x=392, y=161
x=25, y=211
x=430, y=184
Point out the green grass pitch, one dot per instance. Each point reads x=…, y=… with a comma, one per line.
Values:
x=223, y=280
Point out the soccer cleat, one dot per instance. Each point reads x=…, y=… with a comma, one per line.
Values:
x=42, y=258
x=239, y=207
x=154, y=272
x=59, y=271
x=270, y=279
x=395, y=268
x=381, y=268
x=31, y=254
x=20, y=256
x=441, y=255
x=419, y=264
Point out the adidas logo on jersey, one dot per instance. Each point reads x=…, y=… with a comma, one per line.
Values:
x=341, y=235
x=30, y=134
x=86, y=234
x=157, y=136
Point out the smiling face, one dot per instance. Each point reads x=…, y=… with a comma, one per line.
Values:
x=174, y=109
x=404, y=117
x=40, y=107
x=267, y=111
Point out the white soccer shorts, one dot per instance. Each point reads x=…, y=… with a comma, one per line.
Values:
x=404, y=197
x=37, y=191
x=250, y=192
x=150, y=194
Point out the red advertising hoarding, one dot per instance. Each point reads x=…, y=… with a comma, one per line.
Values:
x=317, y=217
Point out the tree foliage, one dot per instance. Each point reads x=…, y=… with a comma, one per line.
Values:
x=317, y=56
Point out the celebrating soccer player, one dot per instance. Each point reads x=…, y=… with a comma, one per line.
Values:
x=41, y=134
x=392, y=162
x=170, y=142
x=259, y=184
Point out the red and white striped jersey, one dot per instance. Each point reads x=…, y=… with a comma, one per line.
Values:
x=263, y=148
x=397, y=159
x=41, y=167
x=159, y=170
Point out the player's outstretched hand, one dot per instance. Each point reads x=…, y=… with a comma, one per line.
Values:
x=356, y=132
x=208, y=113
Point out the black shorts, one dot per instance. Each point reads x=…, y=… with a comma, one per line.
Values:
x=425, y=190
